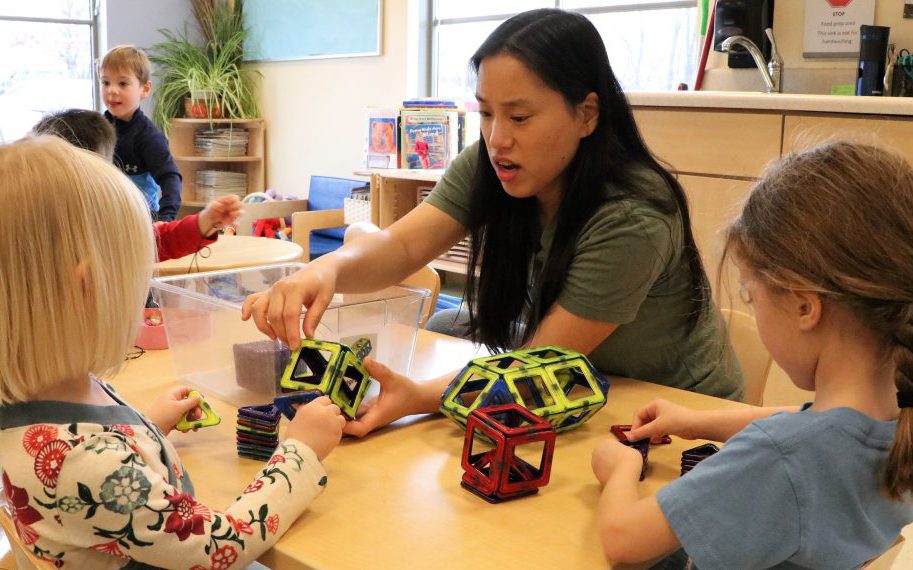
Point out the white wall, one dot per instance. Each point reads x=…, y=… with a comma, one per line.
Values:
x=800, y=74
x=315, y=109
x=137, y=22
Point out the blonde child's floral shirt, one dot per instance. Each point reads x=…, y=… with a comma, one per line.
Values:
x=100, y=487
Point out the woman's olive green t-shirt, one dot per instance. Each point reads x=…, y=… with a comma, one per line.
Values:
x=628, y=268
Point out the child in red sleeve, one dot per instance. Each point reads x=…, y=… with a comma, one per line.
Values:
x=89, y=130
x=190, y=233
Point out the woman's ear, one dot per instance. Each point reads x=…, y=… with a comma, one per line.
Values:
x=588, y=110
x=807, y=308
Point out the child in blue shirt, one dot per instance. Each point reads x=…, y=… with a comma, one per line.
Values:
x=141, y=151
x=824, y=248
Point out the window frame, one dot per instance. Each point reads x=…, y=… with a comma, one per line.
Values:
x=429, y=22
x=94, y=23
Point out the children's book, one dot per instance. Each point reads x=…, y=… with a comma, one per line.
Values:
x=382, y=141
x=431, y=138
x=430, y=103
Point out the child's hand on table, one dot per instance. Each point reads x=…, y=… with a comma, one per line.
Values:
x=317, y=424
x=170, y=408
x=219, y=213
x=610, y=454
x=661, y=417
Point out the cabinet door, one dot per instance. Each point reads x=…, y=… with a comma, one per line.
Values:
x=803, y=131
x=714, y=202
x=715, y=143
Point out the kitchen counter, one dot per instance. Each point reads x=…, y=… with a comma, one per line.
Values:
x=719, y=142
x=774, y=102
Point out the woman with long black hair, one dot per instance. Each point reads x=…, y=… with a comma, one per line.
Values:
x=580, y=238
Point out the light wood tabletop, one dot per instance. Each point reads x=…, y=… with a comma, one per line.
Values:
x=394, y=499
x=232, y=252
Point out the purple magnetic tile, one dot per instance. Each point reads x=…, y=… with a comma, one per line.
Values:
x=265, y=413
x=253, y=439
x=258, y=425
x=643, y=446
x=700, y=452
x=286, y=402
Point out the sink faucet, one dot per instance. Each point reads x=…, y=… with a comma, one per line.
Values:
x=770, y=72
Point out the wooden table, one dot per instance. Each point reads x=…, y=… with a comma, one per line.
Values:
x=394, y=498
x=232, y=252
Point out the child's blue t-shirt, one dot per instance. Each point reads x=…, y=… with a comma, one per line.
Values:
x=795, y=490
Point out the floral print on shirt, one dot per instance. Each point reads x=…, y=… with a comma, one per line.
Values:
x=85, y=495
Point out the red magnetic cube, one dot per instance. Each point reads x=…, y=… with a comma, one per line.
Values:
x=500, y=473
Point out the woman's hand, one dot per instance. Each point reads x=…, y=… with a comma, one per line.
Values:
x=277, y=310
x=661, y=417
x=168, y=410
x=609, y=455
x=317, y=424
x=399, y=397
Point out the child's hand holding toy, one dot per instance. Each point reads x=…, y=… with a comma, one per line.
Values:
x=612, y=455
x=663, y=417
x=220, y=213
x=318, y=424
x=168, y=410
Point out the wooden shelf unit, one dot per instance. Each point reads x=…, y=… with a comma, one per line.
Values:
x=395, y=192
x=180, y=140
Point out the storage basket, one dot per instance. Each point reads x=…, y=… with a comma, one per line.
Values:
x=356, y=210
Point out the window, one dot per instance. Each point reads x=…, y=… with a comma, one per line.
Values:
x=652, y=44
x=48, y=49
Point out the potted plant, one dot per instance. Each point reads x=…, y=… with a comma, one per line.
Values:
x=209, y=80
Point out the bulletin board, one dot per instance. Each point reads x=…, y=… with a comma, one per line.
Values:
x=282, y=30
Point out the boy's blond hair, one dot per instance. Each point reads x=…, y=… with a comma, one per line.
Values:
x=127, y=58
x=76, y=254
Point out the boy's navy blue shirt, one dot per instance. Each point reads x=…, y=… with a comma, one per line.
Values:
x=141, y=152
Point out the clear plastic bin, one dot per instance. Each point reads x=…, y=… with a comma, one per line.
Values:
x=213, y=349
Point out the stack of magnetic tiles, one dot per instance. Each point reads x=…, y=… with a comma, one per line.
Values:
x=695, y=455
x=258, y=431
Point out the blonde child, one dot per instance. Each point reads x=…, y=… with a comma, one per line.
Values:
x=141, y=151
x=824, y=248
x=91, y=131
x=91, y=482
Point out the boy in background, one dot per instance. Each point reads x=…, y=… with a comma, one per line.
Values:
x=141, y=151
x=89, y=130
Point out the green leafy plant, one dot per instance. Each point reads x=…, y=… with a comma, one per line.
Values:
x=211, y=74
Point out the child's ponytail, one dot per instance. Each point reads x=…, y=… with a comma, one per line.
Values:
x=838, y=220
x=898, y=472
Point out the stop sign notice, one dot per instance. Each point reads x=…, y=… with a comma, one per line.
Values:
x=839, y=3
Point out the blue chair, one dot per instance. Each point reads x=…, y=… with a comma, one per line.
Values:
x=447, y=302
x=321, y=228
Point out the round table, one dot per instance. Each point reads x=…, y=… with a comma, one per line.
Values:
x=232, y=252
